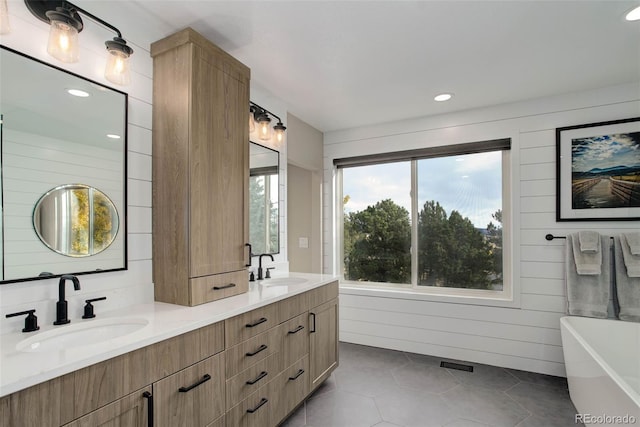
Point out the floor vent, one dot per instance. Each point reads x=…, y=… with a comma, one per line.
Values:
x=457, y=366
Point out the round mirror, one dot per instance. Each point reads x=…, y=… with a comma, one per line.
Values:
x=76, y=220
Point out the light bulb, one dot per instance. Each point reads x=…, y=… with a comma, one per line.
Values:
x=265, y=130
x=117, y=68
x=279, y=130
x=5, y=27
x=63, y=42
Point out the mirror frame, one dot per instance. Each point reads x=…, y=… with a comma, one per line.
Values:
x=125, y=150
x=279, y=199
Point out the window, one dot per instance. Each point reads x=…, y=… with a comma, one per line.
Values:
x=448, y=205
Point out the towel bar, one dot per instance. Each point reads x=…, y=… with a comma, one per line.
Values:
x=551, y=237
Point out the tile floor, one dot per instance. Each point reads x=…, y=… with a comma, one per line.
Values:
x=386, y=388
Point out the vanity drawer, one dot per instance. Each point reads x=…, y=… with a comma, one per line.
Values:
x=293, y=306
x=289, y=389
x=295, y=339
x=251, y=379
x=193, y=396
x=253, y=350
x=211, y=288
x=250, y=324
x=254, y=411
x=323, y=294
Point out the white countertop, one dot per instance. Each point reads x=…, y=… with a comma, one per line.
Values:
x=22, y=369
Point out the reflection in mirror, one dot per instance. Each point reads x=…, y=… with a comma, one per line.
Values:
x=263, y=200
x=51, y=137
x=76, y=220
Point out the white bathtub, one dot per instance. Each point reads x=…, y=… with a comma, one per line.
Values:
x=602, y=358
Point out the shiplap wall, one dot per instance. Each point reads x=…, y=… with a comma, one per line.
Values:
x=32, y=166
x=525, y=336
x=123, y=288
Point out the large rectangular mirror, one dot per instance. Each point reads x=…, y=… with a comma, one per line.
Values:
x=63, y=182
x=264, y=229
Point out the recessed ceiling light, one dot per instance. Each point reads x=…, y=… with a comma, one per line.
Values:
x=634, y=15
x=443, y=97
x=78, y=92
x=113, y=136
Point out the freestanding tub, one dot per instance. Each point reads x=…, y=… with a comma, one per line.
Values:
x=602, y=358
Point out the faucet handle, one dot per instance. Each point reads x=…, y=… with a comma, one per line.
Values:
x=268, y=273
x=88, y=309
x=30, y=322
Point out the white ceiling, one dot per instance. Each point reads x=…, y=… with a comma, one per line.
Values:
x=342, y=64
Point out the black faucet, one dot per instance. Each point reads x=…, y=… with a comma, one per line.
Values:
x=260, y=264
x=61, y=305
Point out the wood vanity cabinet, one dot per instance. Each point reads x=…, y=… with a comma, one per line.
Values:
x=200, y=171
x=323, y=336
x=243, y=372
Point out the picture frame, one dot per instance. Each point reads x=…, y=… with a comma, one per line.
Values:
x=598, y=171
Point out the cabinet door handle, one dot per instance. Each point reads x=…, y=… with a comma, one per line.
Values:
x=258, y=378
x=230, y=285
x=313, y=329
x=250, y=254
x=149, y=398
x=262, y=402
x=295, y=377
x=256, y=323
x=204, y=379
x=296, y=330
x=261, y=348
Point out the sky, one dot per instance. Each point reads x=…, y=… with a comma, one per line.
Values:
x=605, y=151
x=470, y=184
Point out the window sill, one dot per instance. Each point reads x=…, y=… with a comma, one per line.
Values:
x=443, y=295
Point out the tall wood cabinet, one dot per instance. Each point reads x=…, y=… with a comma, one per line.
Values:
x=200, y=170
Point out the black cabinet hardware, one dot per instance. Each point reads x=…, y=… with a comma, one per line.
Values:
x=258, y=378
x=261, y=348
x=256, y=323
x=295, y=377
x=88, y=309
x=149, y=398
x=262, y=402
x=230, y=285
x=250, y=254
x=30, y=322
x=296, y=330
x=204, y=379
x=313, y=329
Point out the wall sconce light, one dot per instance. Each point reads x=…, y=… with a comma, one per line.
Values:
x=66, y=23
x=260, y=116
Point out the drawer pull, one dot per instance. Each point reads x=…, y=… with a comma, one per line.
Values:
x=258, y=378
x=261, y=348
x=256, y=323
x=296, y=330
x=230, y=285
x=262, y=402
x=295, y=377
x=204, y=379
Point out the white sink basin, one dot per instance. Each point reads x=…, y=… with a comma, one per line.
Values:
x=283, y=281
x=81, y=334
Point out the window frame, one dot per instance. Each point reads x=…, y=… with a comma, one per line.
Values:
x=506, y=297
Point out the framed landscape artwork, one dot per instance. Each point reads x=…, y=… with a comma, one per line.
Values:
x=598, y=171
